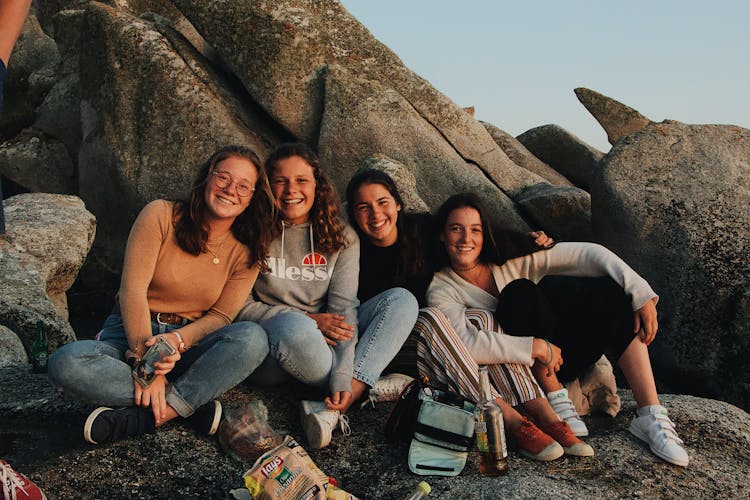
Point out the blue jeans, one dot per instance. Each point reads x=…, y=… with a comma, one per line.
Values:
x=299, y=349
x=95, y=371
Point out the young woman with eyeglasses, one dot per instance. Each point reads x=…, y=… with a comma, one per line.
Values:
x=189, y=266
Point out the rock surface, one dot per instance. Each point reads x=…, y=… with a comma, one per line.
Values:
x=615, y=118
x=564, y=152
x=47, y=239
x=12, y=352
x=38, y=162
x=522, y=157
x=673, y=200
x=567, y=209
x=176, y=109
x=41, y=436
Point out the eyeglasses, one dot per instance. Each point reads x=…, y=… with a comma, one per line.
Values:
x=224, y=180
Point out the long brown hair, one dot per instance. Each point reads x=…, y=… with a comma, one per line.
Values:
x=253, y=227
x=328, y=228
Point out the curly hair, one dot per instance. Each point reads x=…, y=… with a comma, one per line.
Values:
x=253, y=227
x=412, y=245
x=328, y=228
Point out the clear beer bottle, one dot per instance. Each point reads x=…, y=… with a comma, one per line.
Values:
x=489, y=430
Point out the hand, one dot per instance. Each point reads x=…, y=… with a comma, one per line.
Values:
x=646, y=322
x=541, y=352
x=542, y=240
x=154, y=396
x=167, y=363
x=333, y=327
x=339, y=400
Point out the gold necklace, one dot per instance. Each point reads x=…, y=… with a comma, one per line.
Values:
x=216, y=257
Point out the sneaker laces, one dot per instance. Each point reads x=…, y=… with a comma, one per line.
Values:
x=12, y=481
x=343, y=421
x=564, y=407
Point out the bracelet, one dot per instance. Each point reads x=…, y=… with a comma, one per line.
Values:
x=549, y=349
x=181, y=347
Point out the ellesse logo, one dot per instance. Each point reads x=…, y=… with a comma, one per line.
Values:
x=314, y=259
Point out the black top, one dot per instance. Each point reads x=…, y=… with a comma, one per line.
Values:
x=380, y=268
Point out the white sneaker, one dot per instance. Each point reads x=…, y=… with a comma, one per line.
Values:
x=387, y=388
x=656, y=429
x=319, y=423
x=563, y=406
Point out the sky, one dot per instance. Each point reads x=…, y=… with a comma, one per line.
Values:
x=518, y=62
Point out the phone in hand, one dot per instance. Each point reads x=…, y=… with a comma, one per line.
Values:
x=143, y=371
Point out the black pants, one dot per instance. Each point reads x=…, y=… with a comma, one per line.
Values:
x=584, y=317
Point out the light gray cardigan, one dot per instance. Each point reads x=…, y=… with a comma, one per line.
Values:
x=452, y=294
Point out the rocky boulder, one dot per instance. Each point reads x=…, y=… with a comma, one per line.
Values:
x=563, y=211
x=522, y=157
x=615, y=118
x=564, y=152
x=38, y=162
x=672, y=199
x=152, y=111
x=47, y=239
x=338, y=79
x=12, y=352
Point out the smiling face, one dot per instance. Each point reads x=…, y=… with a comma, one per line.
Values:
x=293, y=185
x=224, y=203
x=376, y=213
x=463, y=237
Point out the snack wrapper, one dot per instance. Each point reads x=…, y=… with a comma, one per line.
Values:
x=244, y=432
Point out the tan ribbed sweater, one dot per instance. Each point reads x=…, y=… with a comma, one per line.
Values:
x=159, y=276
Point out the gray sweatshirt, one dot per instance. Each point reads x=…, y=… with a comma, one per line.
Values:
x=305, y=281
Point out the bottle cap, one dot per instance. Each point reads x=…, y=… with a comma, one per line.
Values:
x=424, y=488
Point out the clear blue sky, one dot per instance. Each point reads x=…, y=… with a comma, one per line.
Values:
x=518, y=62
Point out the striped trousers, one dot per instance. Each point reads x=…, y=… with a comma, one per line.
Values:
x=442, y=357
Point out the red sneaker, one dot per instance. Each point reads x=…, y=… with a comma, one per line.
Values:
x=563, y=434
x=16, y=486
x=534, y=443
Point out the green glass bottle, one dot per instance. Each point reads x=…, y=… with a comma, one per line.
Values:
x=39, y=350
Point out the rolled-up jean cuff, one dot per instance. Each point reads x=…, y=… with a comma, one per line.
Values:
x=178, y=403
x=364, y=378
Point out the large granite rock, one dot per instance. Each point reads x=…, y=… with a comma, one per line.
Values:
x=522, y=157
x=562, y=211
x=12, y=352
x=615, y=118
x=38, y=162
x=673, y=200
x=319, y=55
x=152, y=110
x=47, y=239
x=45, y=436
x=564, y=152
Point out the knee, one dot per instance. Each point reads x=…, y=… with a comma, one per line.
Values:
x=520, y=289
x=403, y=299
x=64, y=364
x=292, y=330
x=250, y=338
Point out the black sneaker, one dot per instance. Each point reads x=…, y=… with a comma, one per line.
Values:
x=205, y=420
x=105, y=425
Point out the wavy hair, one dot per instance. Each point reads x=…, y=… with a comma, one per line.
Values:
x=412, y=247
x=253, y=227
x=328, y=228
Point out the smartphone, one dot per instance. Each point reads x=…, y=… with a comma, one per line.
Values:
x=143, y=371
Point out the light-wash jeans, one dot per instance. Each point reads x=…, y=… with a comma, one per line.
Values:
x=95, y=371
x=299, y=349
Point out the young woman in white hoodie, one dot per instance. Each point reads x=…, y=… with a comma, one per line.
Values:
x=309, y=298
